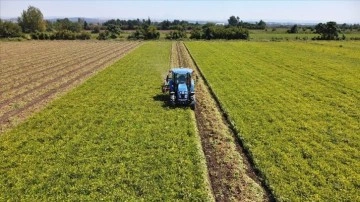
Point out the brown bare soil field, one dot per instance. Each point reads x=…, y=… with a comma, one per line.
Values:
x=231, y=175
x=34, y=73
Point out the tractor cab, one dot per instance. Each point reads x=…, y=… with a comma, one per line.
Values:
x=181, y=87
x=182, y=76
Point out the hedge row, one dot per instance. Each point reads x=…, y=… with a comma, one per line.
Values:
x=61, y=35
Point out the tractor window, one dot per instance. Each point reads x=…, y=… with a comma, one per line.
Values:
x=181, y=78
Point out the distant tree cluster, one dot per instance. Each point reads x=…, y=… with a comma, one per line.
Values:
x=235, y=21
x=212, y=31
x=178, y=33
x=60, y=35
x=328, y=31
x=136, y=24
x=176, y=25
x=125, y=24
x=350, y=27
x=145, y=33
x=66, y=24
x=112, y=31
x=9, y=29
x=293, y=30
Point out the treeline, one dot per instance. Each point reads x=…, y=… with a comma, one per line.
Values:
x=146, y=29
x=31, y=24
x=60, y=35
x=164, y=25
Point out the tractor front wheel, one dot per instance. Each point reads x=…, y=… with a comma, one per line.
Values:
x=192, y=105
x=172, y=100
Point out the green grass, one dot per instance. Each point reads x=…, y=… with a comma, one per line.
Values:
x=280, y=34
x=109, y=139
x=297, y=108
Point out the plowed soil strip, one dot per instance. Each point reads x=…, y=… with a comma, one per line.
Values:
x=18, y=105
x=86, y=65
x=69, y=60
x=231, y=175
x=44, y=67
x=39, y=54
x=60, y=78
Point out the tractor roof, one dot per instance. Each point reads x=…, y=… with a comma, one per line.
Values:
x=182, y=70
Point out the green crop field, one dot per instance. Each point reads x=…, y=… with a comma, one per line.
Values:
x=296, y=106
x=280, y=34
x=109, y=139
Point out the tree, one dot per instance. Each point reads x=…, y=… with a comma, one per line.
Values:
x=328, y=31
x=196, y=33
x=86, y=25
x=207, y=32
x=179, y=33
x=96, y=29
x=49, y=26
x=9, y=29
x=233, y=21
x=261, y=24
x=138, y=34
x=66, y=24
x=146, y=32
x=148, y=22
x=114, y=30
x=151, y=33
x=32, y=20
x=293, y=30
x=103, y=35
x=211, y=31
x=165, y=25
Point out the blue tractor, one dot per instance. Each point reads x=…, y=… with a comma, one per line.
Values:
x=181, y=87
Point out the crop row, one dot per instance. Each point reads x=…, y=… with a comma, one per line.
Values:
x=296, y=107
x=109, y=139
x=232, y=177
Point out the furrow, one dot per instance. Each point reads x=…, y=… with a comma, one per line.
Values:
x=231, y=172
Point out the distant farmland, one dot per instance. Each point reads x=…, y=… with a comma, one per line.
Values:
x=297, y=109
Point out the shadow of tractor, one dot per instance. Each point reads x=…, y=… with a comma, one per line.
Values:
x=165, y=99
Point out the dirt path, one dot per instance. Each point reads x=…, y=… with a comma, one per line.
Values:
x=230, y=173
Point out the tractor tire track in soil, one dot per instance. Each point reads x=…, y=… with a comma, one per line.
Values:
x=231, y=174
x=38, y=96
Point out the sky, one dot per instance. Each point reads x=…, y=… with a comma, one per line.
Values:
x=268, y=10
